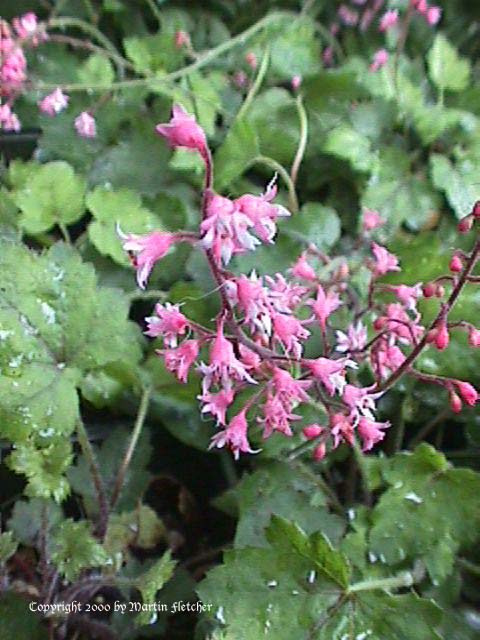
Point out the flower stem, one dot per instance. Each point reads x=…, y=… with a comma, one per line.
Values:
x=403, y=579
x=280, y=169
x=137, y=430
x=302, y=145
x=256, y=84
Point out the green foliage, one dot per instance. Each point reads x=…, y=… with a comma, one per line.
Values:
x=74, y=549
x=447, y=69
x=152, y=581
x=8, y=546
x=18, y=622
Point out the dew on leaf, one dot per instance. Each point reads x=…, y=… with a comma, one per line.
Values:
x=311, y=577
x=413, y=497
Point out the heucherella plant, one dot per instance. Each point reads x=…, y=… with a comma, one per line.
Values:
x=253, y=355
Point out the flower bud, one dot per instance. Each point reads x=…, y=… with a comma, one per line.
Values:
x=455, y=402
x=468, y=392
x=295, y=82
x=429, y=290
x=431, y=336
x=465, y=224
x=312, y=431
x=319, y=452
x=251, y=60
x=474, y=337
x=440, y=291
x=442, y=337
x=456, y=264
x=379, y=323
x=182, y=39
x=476, y=210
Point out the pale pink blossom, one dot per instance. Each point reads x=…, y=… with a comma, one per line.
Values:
x=284, y=295
x=217, y=403
x=371, y=220
x=324, y=305
x=380, y=59
x=234, y=436
x=261, y=213
x=182, y=39
x=224, y=367
x=85, y=125
x=301, y=269
x=26, y=25
x=371, y=432
x=12, y=70
x=284, y=394
x=249, y=358
x=252, y=299
x=360, y=401
x=331, y=373
x=180, y=360
x=399, y=324
x=433, y=15
x=183, y=131
x=388, y=20
x=168, y=322
x=146, y=250
x=354, y=340
x=384, y=261
x=240, y=79
x=408, y=296
x=342, y=429
x=8, y=120
x=295, y=82
x=327, y=56
x=386, y=358
x=54, y=103
x=288, y=331
x=251, y=60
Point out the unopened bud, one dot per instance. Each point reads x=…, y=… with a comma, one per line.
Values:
x=456, y=264
x=182, y=39
x=476, y=210
x=455, y=402
x=442, y=338
x=319, y=452
x=465, y=225
x=468, y=392
x=429, y=290
x=251, y=60
x=440, y=291
x=431, y=336
x=474, y=337
x=343, y=271
x=296, y=81
x=312, y=431
x=379, y=323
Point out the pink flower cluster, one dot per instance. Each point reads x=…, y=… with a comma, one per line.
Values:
x=254, y=355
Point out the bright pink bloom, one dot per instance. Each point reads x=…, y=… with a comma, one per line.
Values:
x=301, y=269
x=331, y=373
x=12, y=69
x=371, y=220
x=183, y=131
x=455, y=402
x=399, y=324
x=168, y=322
x=289, y=332
x=421, y=6
x=295, y=82
x=433, y=15
x=146, y=250
x=319, y=452
x=312, y=431
x=283, y=295
x=249, y=358
x=468, y=392
x=26, y=25
x=408, y=296
x=252, y=298
x=284, y=394
x=54, y=103
x=261, y=213
x=179, y=360
x=224, y=367
x=371, y=432
x=389, y=19
x=8, y=119
x=360, y=401
x=384, y=261
x=341, y=429
x=234, y=436
x=217, y=403
x=456, y=264
x=225, y=230
x=289, y=388
x=380, y=59
x=386, y=358
x=354, y=340
x=324, y=305
x=85, y=125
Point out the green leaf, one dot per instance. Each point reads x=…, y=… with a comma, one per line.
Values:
x=8, y=546
x=74, y=549
x=141, y=528
x=429, y=511
x=299, y=588
x=458, y=181
x=346, y=143
x=18, y=622
x=52, y=194
x=276, y=489
x=315, y=223
x=236, y=153
x=152, y=581
x=26, y=519
x=447, y=69
x=296, y=51
x=96, y=70
x=275, y=118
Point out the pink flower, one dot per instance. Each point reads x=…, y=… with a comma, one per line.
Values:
x=234, y=436
x=433, y=15
x=421, y=6
x=380, y=59
x=389, y=19
x=12, y=68
x=8, y=119
x=354, y=340
x=26, y=26
x=371, y=220
x=474, y=337
x=399, y=324
x=371, y=432
x=183, y=131
x=289, y=388
x=312, y=431
x=348, y=16
x=386, y=358
x=240, y=79
x=324, y=305
x=249, y=358
x=179, y=360
x=225, y=230
x=168, y=322
x=331, y=373
x=54, y=103
x=261, y=213
x=85, y=125
x=319, y=452
x=468, y=392
x=295, y=82
x=327, y=56
x=283, y=295
x=341, y=429
x=224, y=367
x=289, y=332
x=146, y=250
x=384, y=261
x=217, y=403
x=360, y=401
x=301, y=269
x=251, y=297
x=408, y=296
x=251, y=60
x=182, y=39
x=284, y=394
